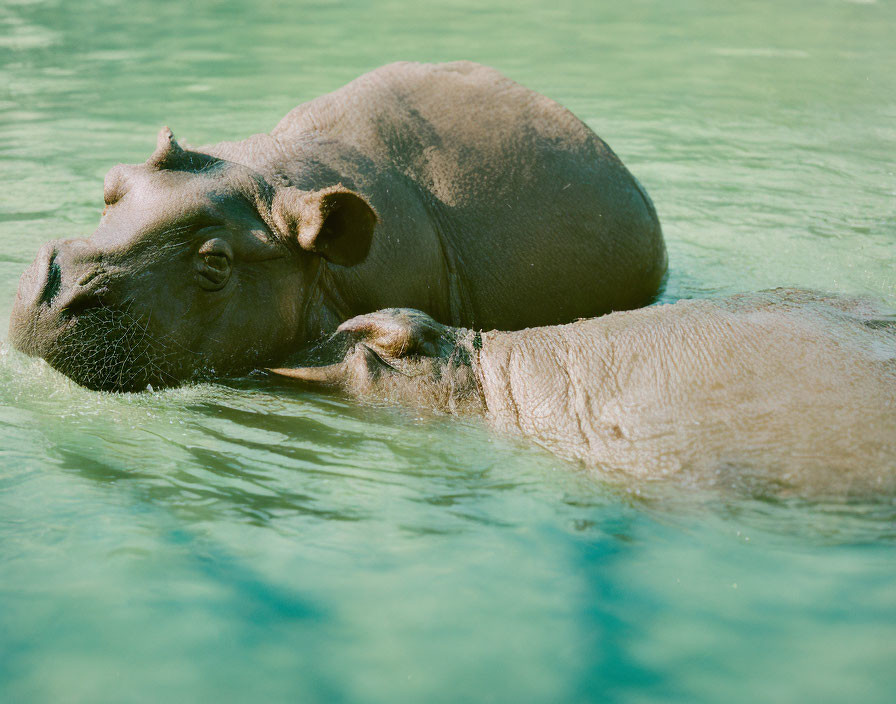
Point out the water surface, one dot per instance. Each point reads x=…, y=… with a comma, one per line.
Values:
x=245, y=542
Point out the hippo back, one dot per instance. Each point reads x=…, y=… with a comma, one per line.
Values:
x=456, y=129
x=538, y=219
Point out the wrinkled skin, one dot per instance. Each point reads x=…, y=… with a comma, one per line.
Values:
x=792, y=389
x=446, y=188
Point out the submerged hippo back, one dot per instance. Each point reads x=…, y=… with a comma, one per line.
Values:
x=790, y=387
x=785, y=390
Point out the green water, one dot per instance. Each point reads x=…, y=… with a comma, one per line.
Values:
x=241, y=542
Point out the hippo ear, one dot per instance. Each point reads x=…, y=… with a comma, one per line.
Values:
x=167, y=150
x=399, y=332
x=171, y=156
x=335, y=222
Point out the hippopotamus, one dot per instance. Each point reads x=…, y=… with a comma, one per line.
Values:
x=446, y=188
x=789, y=389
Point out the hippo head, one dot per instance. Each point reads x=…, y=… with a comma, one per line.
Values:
x=199, y=267
x=400, y=355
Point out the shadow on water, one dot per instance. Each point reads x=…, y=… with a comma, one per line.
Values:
x=821, y=522
x=258, y=452
x=609, y=664
x=197, y=496
x=261, y=600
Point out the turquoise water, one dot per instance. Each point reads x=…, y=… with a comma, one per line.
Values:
x=243, y=542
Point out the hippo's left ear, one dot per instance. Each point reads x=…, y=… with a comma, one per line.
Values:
x=335, y=222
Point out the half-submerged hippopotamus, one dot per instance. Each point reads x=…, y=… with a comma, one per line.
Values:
x=789, y=387
x=447, y=188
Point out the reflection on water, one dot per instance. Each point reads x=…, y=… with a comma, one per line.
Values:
x=247, y=540
x=289, y=538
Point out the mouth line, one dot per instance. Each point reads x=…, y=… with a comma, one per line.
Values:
x=81, y=301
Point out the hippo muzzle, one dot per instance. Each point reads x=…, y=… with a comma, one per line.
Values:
x=66, y=311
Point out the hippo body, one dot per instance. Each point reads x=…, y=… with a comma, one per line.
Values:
x=447, y=188
x=501, y=202
x=788, y=387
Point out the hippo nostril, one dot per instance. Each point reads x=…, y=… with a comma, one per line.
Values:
x=53, y=282
x=89, y=276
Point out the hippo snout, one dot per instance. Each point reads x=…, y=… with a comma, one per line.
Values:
x=62, y=282
x=38, y=287
x=72, y=311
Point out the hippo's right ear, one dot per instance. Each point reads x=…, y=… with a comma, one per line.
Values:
x=335, y=222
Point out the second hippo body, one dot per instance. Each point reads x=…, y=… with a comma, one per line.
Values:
x=793, y=387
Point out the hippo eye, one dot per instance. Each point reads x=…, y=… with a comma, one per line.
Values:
x=214, y=264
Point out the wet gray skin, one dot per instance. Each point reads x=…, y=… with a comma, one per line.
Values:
x=793, y=389
x=447, y=188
